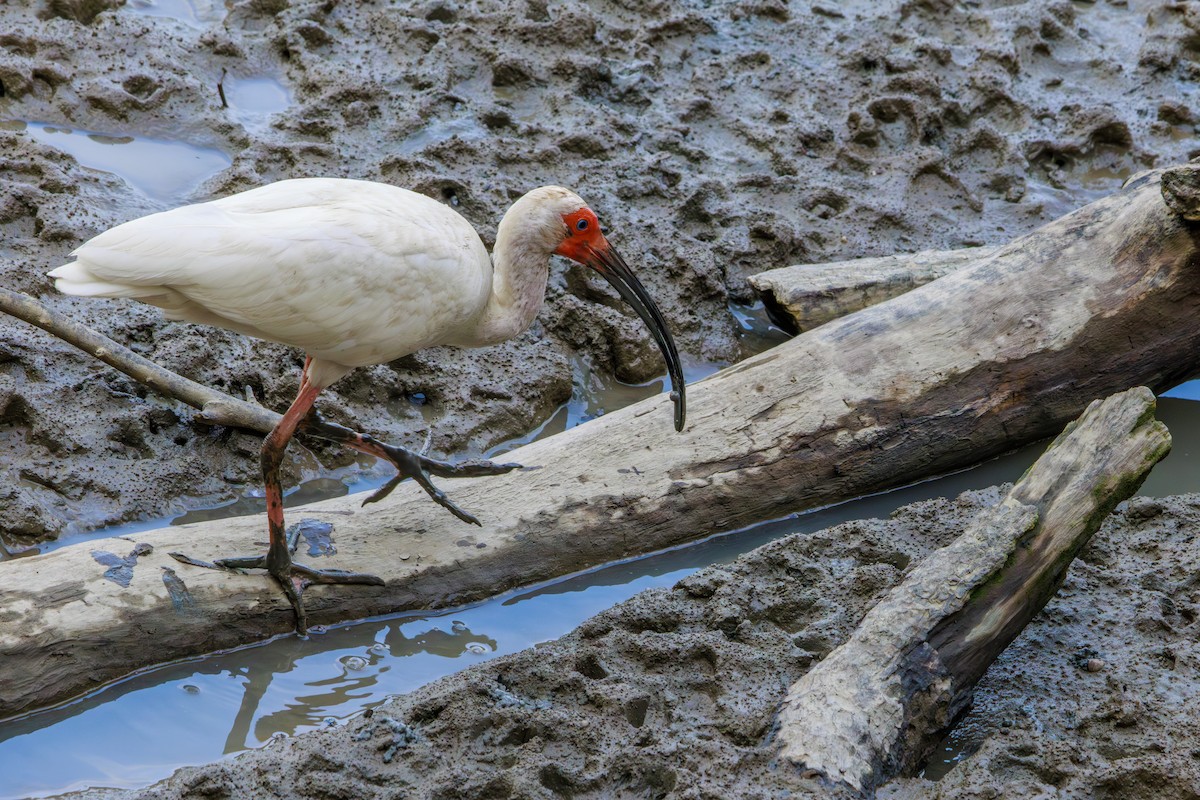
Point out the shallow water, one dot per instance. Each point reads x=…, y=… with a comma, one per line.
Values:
x=139, y=730
x=164, y=170
x=196, y=13
x=1063, y=184
x=436, y=131
x=253, y=100
x=594, y=394
x=1185, y=391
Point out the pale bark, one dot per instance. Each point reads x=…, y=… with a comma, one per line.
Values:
x=995, y=355
x=801, y=297
x=873, y=707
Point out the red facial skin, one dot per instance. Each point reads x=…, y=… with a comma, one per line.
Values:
x=585, y=244
x=579, y=244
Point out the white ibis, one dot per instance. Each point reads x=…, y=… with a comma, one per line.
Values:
x=354, y=273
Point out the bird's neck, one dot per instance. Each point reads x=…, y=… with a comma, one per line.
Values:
x=520, y=268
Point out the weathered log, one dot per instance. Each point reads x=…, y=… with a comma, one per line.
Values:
x=874, y=706
x=993, y=356
x=803, y=296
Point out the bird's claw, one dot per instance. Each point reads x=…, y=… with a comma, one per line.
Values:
x=407, y=463
x=417, y=467
x=475, y=468
x=237, y=566
x=293, y=578
x=386, y=489
x=420, y=468
x=434, y=492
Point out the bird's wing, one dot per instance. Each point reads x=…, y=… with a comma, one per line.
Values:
x=323, y=264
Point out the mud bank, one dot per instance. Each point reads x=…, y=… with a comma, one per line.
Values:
x=673, y=693
x=716, y=139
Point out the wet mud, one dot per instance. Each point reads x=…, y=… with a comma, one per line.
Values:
x=674, y=692
x=715, y=140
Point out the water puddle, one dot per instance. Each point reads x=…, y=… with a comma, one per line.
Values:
x=164, y=170
x=1182, y=133
x=1064, y=183
x=437, y=131
x=196, y=13
x=139, y=730
x=365, y=475
x=594, y=394
x=252, y=101
x=756, y=333
x=958, y=745
x=521, y=104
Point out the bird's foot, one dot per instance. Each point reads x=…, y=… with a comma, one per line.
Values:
x=293, y=578
x=239, y=564
x=420, y=468
x=407, y=463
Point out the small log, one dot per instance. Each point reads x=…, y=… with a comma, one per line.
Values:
x=801, y=297
x=875, y=706
x=995, y=355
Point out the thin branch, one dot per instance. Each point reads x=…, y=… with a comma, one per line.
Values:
x=216, y=408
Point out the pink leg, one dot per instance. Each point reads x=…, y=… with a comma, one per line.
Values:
x=293, y=578
x=271, y=458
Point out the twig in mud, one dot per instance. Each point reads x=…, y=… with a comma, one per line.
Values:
x=221, y=88
x=216, y=408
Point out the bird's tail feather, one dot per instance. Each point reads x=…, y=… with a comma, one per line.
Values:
x=75, y=279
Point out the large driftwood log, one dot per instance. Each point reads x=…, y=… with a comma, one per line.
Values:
x=873, y=707
x=995, y=355
x=801, y=297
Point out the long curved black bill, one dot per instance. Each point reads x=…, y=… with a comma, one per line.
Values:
x=614, y=269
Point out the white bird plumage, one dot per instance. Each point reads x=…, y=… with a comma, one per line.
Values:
x=354, y=273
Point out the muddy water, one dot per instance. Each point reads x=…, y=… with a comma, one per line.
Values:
x=164, y=170
x=196, y=13
x=593, y=394
x=136, y=731
x=255, y=99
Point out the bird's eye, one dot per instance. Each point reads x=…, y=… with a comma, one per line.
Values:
x=581, y=225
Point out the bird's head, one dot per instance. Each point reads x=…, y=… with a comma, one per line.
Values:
x=573, y=230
